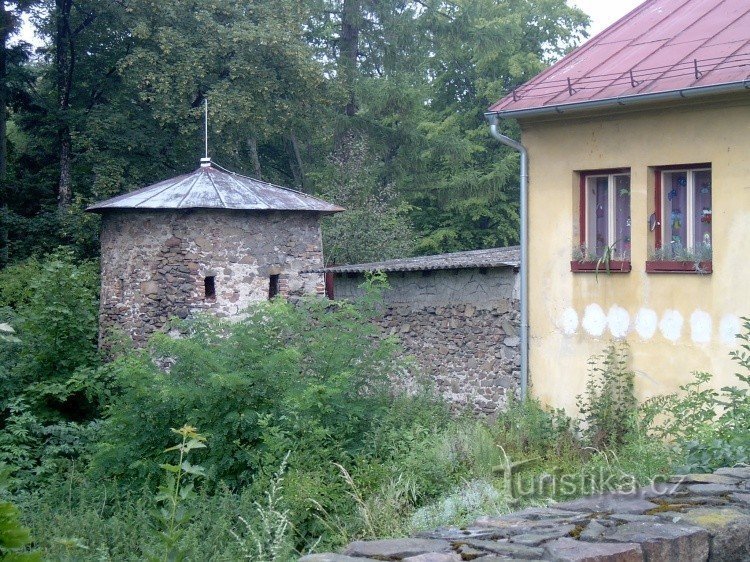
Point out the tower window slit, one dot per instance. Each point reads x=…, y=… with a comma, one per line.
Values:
x=209, y=284
x=273, y=286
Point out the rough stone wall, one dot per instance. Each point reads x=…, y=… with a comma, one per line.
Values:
x=461, y=327
x=154, y=263
x=690, y=518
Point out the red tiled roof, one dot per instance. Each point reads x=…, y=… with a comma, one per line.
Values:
x=688, y=46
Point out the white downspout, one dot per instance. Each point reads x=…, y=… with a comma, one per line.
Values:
x=492, y=118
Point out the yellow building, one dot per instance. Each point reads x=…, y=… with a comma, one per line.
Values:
x=638, y=148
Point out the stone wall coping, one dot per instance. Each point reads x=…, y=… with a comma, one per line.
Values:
x=665, y=522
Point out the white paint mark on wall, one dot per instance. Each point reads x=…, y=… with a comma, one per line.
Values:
x=700, y=326
x=729, y=327
x=569, y=321
x=671, y=325
x=618, y=320
x=646, y=322
x=594, y=320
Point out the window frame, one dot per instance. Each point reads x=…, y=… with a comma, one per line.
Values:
x=677, y=266
x=588, y=265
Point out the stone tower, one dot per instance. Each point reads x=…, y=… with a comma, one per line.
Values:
x=206, y=241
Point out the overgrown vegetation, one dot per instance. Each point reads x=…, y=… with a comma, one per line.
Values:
x=708, y=428
x=309, y=443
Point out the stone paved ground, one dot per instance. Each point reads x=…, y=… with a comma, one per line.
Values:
x=691, y=518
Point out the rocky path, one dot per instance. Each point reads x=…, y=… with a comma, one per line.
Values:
x=691, y=518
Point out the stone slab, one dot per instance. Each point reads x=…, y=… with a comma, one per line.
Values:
x=539, y=537
x=454, y=534
x=694, y=500
x=712, y=489
x=593, y=532
x=538, y=513
x=508, y=559
x=469, y=553
x=571, y=550
x=509, y=526
x=331, y=557
x=631, y=517
x=735, y=472
x=663, y=542
x=435, y=557
x=703, y=479
x=743, y=498
x=609, y=503
x=397, y=549
x=507, y=549
x=729, y=528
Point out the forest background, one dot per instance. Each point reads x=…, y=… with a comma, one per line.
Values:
x=374, y=104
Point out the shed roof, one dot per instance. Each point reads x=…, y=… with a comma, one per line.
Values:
x=490, y=258
x=211, y=188
x=694, y=47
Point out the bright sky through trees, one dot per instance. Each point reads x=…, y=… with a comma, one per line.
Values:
x=602, y=13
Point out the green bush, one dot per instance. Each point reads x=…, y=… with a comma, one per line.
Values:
x=46, y=419
x=53, y=306
x=304, y=377
x=14, y=537
x=709, y=428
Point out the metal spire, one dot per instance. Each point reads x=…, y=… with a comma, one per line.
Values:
x=205, y=161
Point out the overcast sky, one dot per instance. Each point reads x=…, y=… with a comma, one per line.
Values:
x=604, y=12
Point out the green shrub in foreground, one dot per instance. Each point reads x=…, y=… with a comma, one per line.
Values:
x=306, y=378
x=708, y=428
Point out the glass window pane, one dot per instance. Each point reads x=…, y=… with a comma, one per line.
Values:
x=598, y=213
x=675, y=209
x=702, y=218
x=622, y=217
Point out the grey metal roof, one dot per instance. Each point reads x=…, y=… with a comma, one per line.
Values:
x=492, y=257
x=211, y=188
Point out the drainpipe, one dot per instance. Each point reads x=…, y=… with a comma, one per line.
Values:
x=492, y=118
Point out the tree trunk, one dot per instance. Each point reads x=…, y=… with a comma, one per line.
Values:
x=64, y=65
x=252, y=144
x=5, y=27
x=64, y=190
x=349, y=49
x=296, y=165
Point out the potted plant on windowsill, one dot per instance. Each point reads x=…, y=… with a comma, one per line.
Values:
x=679, y=260
x=607, y=261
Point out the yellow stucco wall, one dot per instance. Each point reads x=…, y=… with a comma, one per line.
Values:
x=567, y=309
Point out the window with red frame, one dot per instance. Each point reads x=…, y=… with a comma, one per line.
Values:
x=684, y=214
x=605, y=215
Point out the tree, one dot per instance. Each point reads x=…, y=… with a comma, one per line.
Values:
x=375, y=226
x=9, y=20
x=249, y=60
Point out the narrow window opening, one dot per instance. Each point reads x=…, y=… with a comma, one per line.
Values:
x=273, y=286
x=209, y=284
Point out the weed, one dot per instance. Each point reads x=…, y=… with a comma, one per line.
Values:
x=267, y=538
x=608, y=407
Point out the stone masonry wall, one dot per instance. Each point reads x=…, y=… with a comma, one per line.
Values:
x=154, y=263
x=461, y=327
x=690, y=518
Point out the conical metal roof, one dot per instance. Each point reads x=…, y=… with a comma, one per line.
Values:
x=211, y=188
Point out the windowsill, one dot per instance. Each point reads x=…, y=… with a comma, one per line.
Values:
x=664, y=266
x=614, y=266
